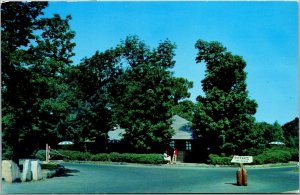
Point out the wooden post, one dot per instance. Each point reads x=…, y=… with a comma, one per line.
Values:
x=239, y=175
x=47, y=148
x=244, y=176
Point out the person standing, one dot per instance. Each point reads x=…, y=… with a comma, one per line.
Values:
x=175, y=154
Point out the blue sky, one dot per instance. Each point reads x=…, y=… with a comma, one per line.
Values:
x=264, y=33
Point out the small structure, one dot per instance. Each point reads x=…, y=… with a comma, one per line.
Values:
x=64, y=143
x=115, y=143
x=116, y=135
x=278, y=143
x=184, y=139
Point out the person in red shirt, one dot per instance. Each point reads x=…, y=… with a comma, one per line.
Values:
x=175, y=154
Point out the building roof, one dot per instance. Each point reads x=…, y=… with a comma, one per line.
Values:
x=116, y=134
x=179, y=125
x=182, y=129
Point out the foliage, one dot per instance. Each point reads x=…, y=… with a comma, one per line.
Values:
x=47, y=100
x=262, y=134
x=41, y=155
x=145, y=93
x=91, y=84
x=218, y=160
x=224, y=116
x=293, y=151
x=291, y=133
x=113, y=157
x=34, y=94
x=273, y=156
x=50, y=166
x=18, y=20
x=185, y=109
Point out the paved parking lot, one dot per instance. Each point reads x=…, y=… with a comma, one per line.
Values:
x=85, y=178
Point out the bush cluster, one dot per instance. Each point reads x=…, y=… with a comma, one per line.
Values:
x=218, y=160
x=112, y=157
x=41, y=155
x=276, y=155
x=271, y=155
x=49, y=166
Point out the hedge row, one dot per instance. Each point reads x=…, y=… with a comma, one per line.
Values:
x=276, y=155
x=272, y=155
x=217, y=160
x=113, y=157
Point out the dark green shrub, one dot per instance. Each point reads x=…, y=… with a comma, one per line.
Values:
x=7, y=153
x=273, y=156
x=49, y=166
x=100, y=157
x=113, y=157
x=41, y=155
x=54, y=155
x=74, y=155
x=217, y=160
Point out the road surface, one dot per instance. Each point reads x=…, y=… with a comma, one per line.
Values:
x=85, y=178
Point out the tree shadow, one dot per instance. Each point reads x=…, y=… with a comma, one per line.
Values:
x=67, y=172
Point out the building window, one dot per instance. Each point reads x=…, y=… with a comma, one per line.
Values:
x=172, y=144
x=188, y=146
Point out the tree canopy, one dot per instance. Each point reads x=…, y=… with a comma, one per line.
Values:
x=225, y=114
x=291, y=133
x=147, y=91
x=32, y=75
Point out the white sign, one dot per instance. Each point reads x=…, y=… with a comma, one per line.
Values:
x=242, y=159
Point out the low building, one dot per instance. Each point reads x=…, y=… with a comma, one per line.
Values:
x=184, y=139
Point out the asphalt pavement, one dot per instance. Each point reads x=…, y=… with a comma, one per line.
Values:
x=133, y=178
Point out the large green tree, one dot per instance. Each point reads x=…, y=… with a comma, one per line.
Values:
x=50, y=58
x=224, y=118
x=146, y=93
x=35, y=51
x=92, y=83
x=18, y=20
x=291, y=133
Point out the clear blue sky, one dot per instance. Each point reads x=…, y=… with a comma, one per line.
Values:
x=264, y=33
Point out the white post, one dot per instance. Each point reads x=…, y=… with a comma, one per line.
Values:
x=47, y=148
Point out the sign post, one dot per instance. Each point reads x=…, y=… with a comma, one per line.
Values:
x=47, y=153
x=241, y=174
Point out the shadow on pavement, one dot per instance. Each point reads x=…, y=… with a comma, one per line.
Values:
x=230, y=183
x=68, y=173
